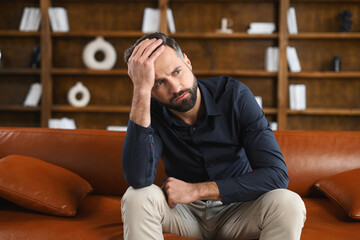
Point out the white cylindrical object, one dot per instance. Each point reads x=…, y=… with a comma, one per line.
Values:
x=79, y=88
x=99, y=45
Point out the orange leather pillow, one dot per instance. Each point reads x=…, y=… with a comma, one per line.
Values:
x=40, y=186
x=344, y=189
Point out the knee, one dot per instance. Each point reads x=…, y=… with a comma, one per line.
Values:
x=288, y=205
x=136, y=197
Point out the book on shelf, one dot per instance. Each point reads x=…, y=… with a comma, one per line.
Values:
x=170, y=19
x=297, y=96
x=151, y=20
x=293, y=59
x=291, y=21
x=62, y=123
x=259, y=101
x=261, y=28
x=116, y=128
x=35, y=61
x=271, y=59
x=59, y=21
x=273, y=126
x=30, y=20
x=33, y=96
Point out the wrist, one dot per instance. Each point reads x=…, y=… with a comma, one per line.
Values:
x=207, y=191
x=142, y=91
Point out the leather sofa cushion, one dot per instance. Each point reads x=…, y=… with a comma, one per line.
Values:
x=314, y=155
x=98, y=218
x=324, y=220
x=40, y=186
x=343, y=189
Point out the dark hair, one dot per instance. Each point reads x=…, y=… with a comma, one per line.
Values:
x=158, y=35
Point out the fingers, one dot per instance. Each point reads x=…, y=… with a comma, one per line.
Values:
x=172, y=204
x=165, y=187
x=157, y=53
x=145, y=50
x=139, y=49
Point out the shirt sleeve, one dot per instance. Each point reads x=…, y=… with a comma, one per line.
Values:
x=140, y=155
x=269, y=170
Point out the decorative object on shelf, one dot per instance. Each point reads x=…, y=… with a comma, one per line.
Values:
x=32, y=99
x=297, y=96
x=151, y=20
x=99, y=45
x=225, y=24
x=291, y=21
x=62, y=123
x=117, y=128
x=209, y=52
x=261, y=28
x=336, y=64
x=259, y=101
x=273, y=126
x=35, y=57
x=345, y=21
x=79, y=88
x=293, y=59
x=272, y=59
x=30, y=20
x=170, y=19
x=58, y=19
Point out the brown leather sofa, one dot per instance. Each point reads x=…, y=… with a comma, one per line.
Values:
x=95, y=155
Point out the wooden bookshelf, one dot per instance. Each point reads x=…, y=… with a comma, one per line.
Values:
x=81, y=71
x=18, y=108
x=212, y=35
x=326, y=35
x=17, y=33
x=333, y=101
x=99, y=109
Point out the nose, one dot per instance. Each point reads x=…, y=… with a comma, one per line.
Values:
x=174, y=86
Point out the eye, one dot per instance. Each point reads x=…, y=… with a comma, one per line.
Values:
x=158, y=83
x=176, y=72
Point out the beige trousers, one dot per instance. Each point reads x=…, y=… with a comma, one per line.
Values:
x=278, y=214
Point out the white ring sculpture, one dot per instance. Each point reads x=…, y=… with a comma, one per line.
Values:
x=79, y=88
x=99, y=45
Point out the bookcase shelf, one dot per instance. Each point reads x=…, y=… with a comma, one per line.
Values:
x=19, y=71
x=95, y=33
x=18, y=108
x=17, y=33
x=326, y=111
x=83, y=71
x=332, y=98
x=325, y=75
x=234, y=72
x=328, y=35
x=213, y=35
x=96, y=109
x=270, y=111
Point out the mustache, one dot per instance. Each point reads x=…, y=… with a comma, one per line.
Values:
x=176, y=95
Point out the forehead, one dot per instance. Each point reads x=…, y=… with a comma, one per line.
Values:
x=167, y=60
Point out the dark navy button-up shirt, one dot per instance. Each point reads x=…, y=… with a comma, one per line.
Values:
x=231, y=144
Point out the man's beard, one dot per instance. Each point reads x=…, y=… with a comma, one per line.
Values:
x=185, y=104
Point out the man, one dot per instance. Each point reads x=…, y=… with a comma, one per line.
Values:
x=226, y=176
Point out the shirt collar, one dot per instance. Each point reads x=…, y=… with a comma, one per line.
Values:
x=211, y=108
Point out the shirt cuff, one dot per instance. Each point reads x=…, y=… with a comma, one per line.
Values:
x=228, y=190
x=138, y=129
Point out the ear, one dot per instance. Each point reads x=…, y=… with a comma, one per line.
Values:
x=187, y=61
